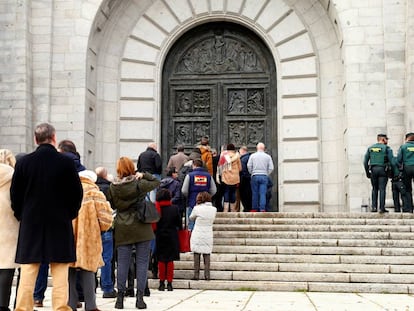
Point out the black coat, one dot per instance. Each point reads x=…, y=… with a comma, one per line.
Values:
x=149, y=162
x=167, y=234
x=46, y=194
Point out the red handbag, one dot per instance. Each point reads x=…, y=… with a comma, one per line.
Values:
x=184, y=240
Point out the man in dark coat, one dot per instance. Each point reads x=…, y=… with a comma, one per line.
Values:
x=149, y=161
x=46, y=195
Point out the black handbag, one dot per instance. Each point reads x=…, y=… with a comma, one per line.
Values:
x=147, y=212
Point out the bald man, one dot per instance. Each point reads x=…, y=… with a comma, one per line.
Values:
x=260, y=166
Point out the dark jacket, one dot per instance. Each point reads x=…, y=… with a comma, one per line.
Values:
x=174, y=186
x=149, y=162
x=103, y=184
x=46, y=194
x=167, y=236
x=244, y=173
x=124, y=196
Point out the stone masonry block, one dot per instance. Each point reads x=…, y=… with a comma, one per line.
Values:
x=137, y=108
x=200, y=7
x=140, y=51
x=273, y=11
x=288, y=27
x=298, y=46
x=130, y=70
x=148, y=32
x=304, y=66
x=137, y=89
x=299, y=86
x=234, y=6
x=181, y=9
x=300, y=128
x=308, y=150
x=136, y=129
x=217, y=5
x=160, y=14
x=299, y=106
x=301, y=171
x=252, y=7
x=301, y=193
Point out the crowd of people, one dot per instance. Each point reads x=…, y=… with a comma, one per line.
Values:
x=380, y=165
x=58, y=215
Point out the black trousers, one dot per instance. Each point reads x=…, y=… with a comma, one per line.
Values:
x=408, y=179
x=245, y=190
x=379, y=181
x=6, y=280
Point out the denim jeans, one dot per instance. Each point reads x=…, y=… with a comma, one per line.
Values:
x=41, y=282
x=230, y=193
x=107, y=284
x=259, y=188
x=152, y=194
x=142, y=260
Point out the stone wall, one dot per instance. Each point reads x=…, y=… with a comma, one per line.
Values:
x=93, y=69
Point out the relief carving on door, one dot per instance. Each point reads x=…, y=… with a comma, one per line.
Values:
x=219, y=54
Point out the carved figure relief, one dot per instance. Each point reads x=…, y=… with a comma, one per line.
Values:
x=183, y=134
x=255, y=132
x=219, y=53
x=255, y=101
x=236, y=102
x=192, y=101
x=237, y=133
x=201, y=129
x=183, y=102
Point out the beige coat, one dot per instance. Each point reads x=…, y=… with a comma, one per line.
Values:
x=9, y=226
x=229, y=167
x=88, y=225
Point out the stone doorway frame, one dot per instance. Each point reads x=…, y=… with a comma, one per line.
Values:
x=306, y=51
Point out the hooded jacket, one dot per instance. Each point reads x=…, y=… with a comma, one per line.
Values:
x=124, y=196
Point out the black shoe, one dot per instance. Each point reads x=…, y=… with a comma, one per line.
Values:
x=374, y=210
x=397, y=210
x=110, y=294
x=129, y=292
x=383, y=211
x=169, y=287
x=147, y=292
x=161, y=288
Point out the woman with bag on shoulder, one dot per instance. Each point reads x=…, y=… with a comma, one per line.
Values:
x=201, y=240
x=167, y=238
x=125, y=195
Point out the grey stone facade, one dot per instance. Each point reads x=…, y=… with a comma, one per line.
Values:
x=93, y=69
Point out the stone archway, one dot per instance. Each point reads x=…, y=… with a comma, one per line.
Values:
x=301, y=50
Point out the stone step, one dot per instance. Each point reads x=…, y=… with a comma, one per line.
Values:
x=302, y=267
x=362, y=252
x=314, y=228
x=299, y=258
x=315, y=235
x=291, y=286
x=314, y=221
x=313, y=242
x=304, y=250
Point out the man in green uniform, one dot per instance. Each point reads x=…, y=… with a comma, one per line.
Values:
x=405, y=160
x=376, y=160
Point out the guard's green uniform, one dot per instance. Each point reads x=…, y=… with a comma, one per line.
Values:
x=376, y=159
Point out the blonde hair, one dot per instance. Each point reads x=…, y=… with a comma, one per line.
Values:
x=7, y=157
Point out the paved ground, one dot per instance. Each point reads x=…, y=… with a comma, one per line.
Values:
x=211, y=300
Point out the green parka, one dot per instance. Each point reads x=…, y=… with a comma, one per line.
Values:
x=124, y=196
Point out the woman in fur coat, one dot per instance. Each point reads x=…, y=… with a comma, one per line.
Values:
x=9, y=229
x=95, y=215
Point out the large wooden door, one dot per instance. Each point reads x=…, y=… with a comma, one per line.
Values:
x=219, y=80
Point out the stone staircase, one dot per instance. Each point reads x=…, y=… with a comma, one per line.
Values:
x=326, y=252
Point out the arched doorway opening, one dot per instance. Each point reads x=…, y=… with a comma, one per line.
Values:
x=219, y=80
